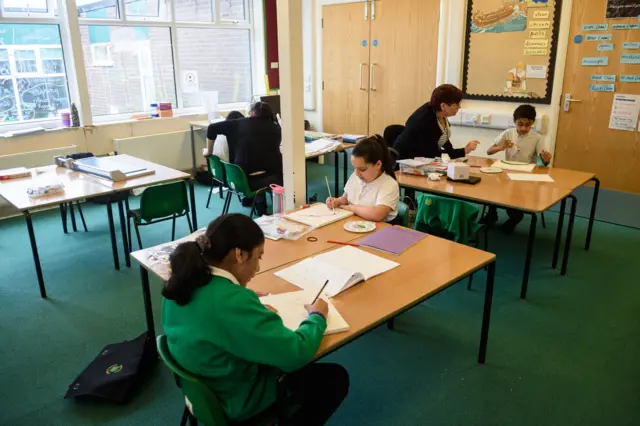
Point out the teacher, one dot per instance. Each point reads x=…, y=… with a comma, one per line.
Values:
x=427, y=131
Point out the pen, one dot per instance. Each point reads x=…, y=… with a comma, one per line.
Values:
x=343, y=243
x=329, y=189
x=320, y=292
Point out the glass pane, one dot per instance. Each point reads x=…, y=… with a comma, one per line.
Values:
x=194, y=10
x=99, y=9
x=42, y=97
x=25, y=6
x=226, y=67
x=232, y=10
x=8, y=106
x=5, y=64
x=128, y=68
x=53, y=66
x=51, y=53
x=148, y=9
x=26, y=61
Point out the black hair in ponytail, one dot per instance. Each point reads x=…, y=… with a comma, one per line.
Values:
x=190, y=261
x=374, y=149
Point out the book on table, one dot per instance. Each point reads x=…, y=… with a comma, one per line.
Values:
x=344, y=268
x=17, y=173
x=392, y=239
x=319, y=215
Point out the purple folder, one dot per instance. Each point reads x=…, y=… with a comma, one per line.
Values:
x=392, y=239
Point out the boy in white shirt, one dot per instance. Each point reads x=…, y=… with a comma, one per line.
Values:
x=522, y=145
x=372, y=191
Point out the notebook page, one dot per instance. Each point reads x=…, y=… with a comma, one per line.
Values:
x=514, y=167
x=290, y=307
x=319, y=215
x=310, y=275
x=530, y=177
x=351, y=258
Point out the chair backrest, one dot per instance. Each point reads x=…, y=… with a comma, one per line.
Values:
x=447, y=218
x=162, y=201
x=215, y=167
x=403, y=213
x=205, y=405
x=237, y=179
x=392, y=132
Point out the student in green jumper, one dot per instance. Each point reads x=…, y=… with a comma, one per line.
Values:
x=219, y=330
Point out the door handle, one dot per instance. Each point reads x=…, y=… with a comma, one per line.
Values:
x=366, y=10
x=373, y=9
x=567, y=102
x=371, y=87
x=361, y=66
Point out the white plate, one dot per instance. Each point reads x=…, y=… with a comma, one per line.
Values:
x=491, y=170
x=360, y=226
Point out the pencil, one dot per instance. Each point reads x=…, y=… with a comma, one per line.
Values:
x=343, y=243
x=329, y=189
x=320, y=292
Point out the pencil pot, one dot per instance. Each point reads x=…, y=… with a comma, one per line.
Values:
x=278, y=195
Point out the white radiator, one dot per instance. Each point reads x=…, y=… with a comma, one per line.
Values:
x=169, y=149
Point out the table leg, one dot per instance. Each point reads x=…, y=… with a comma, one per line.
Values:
x=486, y=312
x=193, y=152
x=556, y=247
x=592, y=216
x=567, y=243
x=112, y=232
x=148, y=309
x=345, y=156
x=192, y=195
x=123, y=230
x=63, y=216
x=72, y=213
x=527, y=259
x=36, y=257
x=336, y=168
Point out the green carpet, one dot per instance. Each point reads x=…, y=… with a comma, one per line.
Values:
x=565, y=356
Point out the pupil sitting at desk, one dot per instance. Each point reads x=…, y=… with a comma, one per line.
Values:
x=427, y=131
x=221, y=144
x=372, y=191
x=219, y=330
x=254, y=145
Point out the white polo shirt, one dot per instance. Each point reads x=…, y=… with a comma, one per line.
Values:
x=382, y=191
x=526, y=148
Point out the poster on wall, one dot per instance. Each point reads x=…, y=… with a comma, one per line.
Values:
x=623, y=8
x=509, y=49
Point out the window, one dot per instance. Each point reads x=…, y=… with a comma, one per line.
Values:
x=104, y=9
x=101, y=55
x=148, y=9
x=25, y=6
x=194, y=10
x=232, y=10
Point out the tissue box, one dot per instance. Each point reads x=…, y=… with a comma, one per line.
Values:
x=458, y=171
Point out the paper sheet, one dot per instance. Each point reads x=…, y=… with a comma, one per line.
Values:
x=529, y=177
x=624, y=112
x=319, y=215
x=514, y=167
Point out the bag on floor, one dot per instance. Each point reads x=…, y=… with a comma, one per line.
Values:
x=117, y=372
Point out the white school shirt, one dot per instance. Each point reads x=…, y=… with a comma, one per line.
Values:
x=382, y=191
x=526, y=148
x=221, y=148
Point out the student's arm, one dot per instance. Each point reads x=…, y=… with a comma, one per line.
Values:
x=256, y=334
x=499, y=144
x=334, y=203
x=215, y=129
x=545, y=156
x=375, y=213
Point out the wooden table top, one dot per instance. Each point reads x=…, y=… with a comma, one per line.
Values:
x=426, y=268
x=77, y=186
x=277, y=253
x=498, y=189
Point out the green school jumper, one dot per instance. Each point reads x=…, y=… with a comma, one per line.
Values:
x=238, y=346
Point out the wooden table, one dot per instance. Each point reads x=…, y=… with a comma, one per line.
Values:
x=530, y=197
x=77, y=186
x=426, y=269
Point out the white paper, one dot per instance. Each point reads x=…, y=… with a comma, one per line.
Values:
x=319, y=215
x=415, y=162
x=321, y=146
x=529, y=177
x=190, y=82
x=356, y=260
x=624, y=112
x=516, y=167
x=536, y=71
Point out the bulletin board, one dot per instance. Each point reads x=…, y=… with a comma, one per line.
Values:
x=510, y=50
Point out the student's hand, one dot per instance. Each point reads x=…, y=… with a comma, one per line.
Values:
x=271, y=308
x=471, y=146
x=546, y=156
x=261, y=293
x=321, y=306
x=507, y=144
x=347, y=207
x=333, y=203
x=205, y=152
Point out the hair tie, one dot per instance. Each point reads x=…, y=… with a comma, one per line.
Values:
x=203, y=243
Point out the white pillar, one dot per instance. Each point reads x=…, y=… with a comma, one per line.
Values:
x=292, y=100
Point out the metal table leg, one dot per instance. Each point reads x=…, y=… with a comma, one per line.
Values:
x=36, y=257
x=193, y=152
x=148, y=309
x=486, y=312
x=125, y=239
x=556, y=246
x=592, y=216
x=567, y=244
x=63, y=216
x=112, y=232
x=72, y=213
x=529, y=255
x=192, y=195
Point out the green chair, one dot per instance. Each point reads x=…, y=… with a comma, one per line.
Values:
x=158, y=204
x=216, y=171
x=238, y=183
x=403, y=214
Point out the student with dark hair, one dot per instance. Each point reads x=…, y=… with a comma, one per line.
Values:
x=372, y=191
x=219, y=330
x=221, y=144
x=522, y=145
x=427, y=131
x=254, y=145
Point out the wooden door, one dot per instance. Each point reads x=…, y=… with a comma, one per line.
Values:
x=584, y=140
x=345, y=68
x=404, y=53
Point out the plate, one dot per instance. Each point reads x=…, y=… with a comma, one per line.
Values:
x=490, y=170
x=360, y=226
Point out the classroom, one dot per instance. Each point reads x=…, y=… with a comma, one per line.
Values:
x=309, y=212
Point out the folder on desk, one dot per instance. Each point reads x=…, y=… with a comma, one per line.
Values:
x=392, y=239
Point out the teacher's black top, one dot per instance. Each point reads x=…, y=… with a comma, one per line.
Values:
x=420, y=137
x=254, y=143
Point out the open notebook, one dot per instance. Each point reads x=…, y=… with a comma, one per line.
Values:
x=514, y=166
x=344, y=268
x=319, y=215
x=290, y=307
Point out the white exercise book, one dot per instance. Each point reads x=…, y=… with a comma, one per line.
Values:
x=344, y=268
x=290, y=307
x=319, y=215
x=514, y=166
x=530, y=177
